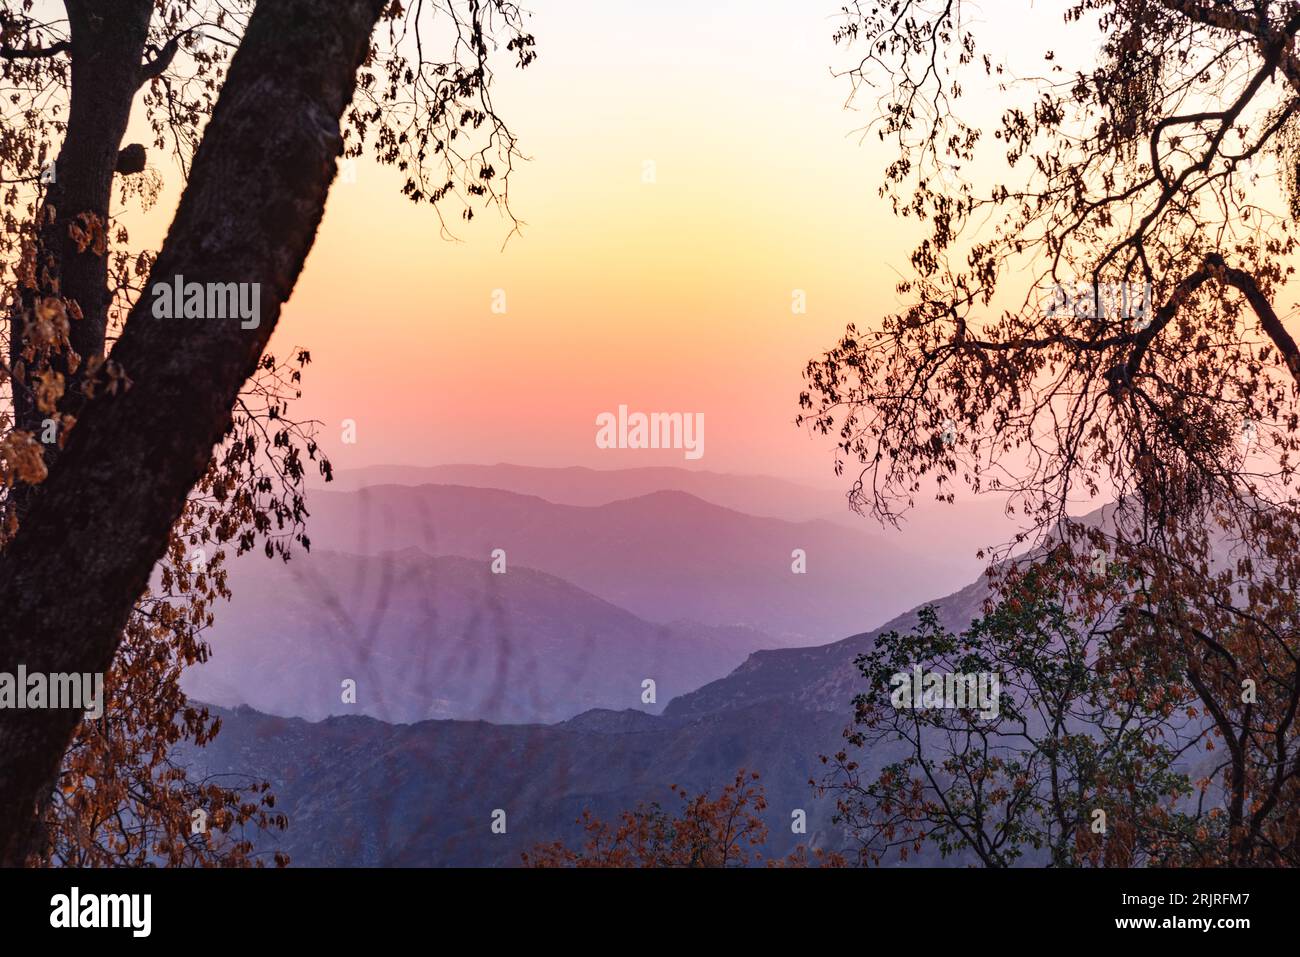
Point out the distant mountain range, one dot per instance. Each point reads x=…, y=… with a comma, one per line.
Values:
x=440, y=637
x=754, y=494
x=963, y=528
x=364, y=792
x=608, y=581
x=664, y=556
x=361, y=792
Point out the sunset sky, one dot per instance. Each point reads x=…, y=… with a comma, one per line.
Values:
x=671, y=296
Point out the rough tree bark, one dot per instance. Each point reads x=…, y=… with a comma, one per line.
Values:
x=84, y=552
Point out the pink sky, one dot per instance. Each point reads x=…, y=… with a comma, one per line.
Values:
x=671, y=296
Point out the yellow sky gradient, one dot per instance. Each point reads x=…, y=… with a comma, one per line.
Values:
x=671, y=296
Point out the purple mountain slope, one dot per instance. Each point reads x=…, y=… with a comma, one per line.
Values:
x=427, y=637
x=964, y=528
x=664, y=556
x=365, y=792
x=575, y=485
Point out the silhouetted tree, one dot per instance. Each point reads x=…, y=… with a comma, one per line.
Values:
x=1084, y=722
x=1096, y=318
x=257, y=134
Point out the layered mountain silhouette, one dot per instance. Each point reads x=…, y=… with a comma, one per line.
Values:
x=362, y=792
x=438, y=637
x=664, y=556
x=600, y=592
x=963, y=528
x=760, y=495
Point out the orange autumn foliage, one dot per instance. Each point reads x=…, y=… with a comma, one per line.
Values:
x=123, y=797
x=720, y=832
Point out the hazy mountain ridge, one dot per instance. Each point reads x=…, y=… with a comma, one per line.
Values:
x=758, y=495
x=966, y=527
x=663, y=556
x=360, y=791
x=434, y=784
x=441, y=637
x=821, y=677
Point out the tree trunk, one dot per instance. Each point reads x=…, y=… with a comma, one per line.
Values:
x=84, y=552
x=107, y=51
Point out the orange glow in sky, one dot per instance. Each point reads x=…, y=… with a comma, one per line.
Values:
x=671, y=295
